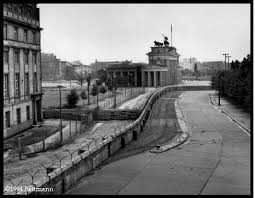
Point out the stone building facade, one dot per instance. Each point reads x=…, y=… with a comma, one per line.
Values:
x=50, y=67
x=22, y=68
x=188, y=63
x=98, y=65
x=81, y=68
x=163, y=68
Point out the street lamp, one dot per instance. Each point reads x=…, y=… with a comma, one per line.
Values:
x=130, y=79
x=219, y=74
x=97, y=86
x=42, y=136
x=60, y=114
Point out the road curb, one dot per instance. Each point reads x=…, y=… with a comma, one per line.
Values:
x=234, y=120
x=184, y=132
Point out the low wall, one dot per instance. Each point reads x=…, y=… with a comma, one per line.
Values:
x=68, y=174
x=83, y=115
x=192, y=88
x=117, y=114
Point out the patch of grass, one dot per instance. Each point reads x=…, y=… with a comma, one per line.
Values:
x=51, y=98
x=33, y=136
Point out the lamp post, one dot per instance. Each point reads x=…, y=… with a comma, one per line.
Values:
x=130, y=79
x=219, y=74
x=60, y=114
x=42, y=135
x=97, y=85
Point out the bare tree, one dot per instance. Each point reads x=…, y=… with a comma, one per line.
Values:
x=81, y=78
x=88, y=80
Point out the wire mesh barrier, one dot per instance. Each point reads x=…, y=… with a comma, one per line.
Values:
x=92, y=144
x=42, y=169
x=123, y=96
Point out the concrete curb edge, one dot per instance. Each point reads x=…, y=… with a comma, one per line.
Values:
x=184, y=132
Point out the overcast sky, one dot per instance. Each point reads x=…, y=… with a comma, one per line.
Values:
x=115, y=32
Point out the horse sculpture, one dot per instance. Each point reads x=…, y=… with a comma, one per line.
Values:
x=166, y=43
x=158, y=43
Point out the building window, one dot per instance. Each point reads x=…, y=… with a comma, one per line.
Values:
x=34, y=37
x=7, y=119
x=6, y=57
x=26, y=84
x=16, y=57
x=26, y=58
x=6, y=86
x=9, y=6
x=29, y=13
x=14, y=7
x=25, y=35
x=17, y=85
x=35, y=82
x=15, y=33
x=28, y=112
x=19, y=9
x=5, y=31
x=18, y=116
x=34, y=58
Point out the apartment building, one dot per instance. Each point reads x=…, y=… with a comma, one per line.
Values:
x=22, y=68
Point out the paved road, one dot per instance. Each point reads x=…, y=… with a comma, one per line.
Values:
x=161, y=128
x=216, y=160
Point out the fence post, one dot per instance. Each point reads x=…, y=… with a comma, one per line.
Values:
x=81, y=123
x=43, y=136
x=76, y=123
x=19, y=148
x=70, y=130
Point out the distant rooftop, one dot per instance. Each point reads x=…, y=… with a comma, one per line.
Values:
x=77, y=62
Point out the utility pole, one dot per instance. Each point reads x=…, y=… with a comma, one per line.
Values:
x=225, y=59
x=220, y=75
x=60, y=115
x=219, y=87
x=171, y=36
x=228, y=61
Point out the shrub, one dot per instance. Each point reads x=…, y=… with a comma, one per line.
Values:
x=102, y=89
x=72, y=98
x=83, y=95
x=94, y=90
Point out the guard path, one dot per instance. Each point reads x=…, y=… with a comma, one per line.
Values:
x=215, y=160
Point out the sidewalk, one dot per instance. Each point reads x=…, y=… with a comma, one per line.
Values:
x=243, y=117
x=215, y=160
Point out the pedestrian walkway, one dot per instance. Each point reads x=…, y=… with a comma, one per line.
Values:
x=215, y=160
x=242, y=116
